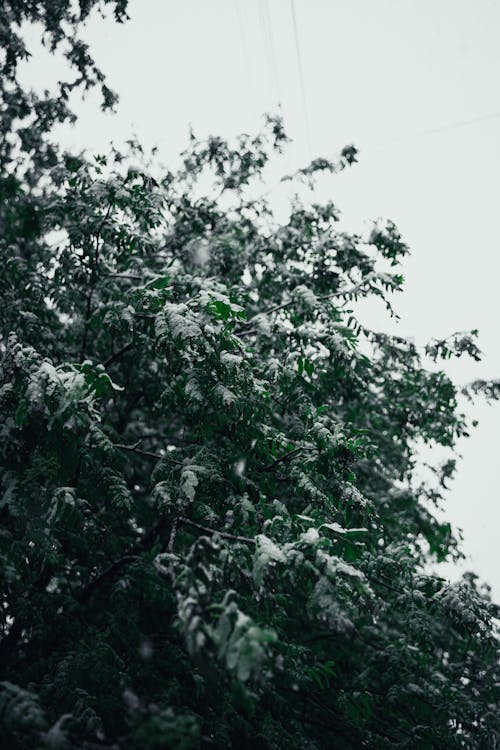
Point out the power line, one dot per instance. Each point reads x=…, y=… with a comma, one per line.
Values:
x=409, y=136
x=269, y=49
x=432, y=131
x=265, y=39
x=269, y=26
x=301, y=77
x=244, y=45
x=423, y=133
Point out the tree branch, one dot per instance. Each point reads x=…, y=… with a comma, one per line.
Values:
x=173, y=533
x=352, y=290
x=118, y=353
x=131, y=276
x=339, y=293
x=146, y=543
x=87, y=592
x=148, y=454
x=133, y=553
x=208, y=530
x=93, y=282
x=288, y=455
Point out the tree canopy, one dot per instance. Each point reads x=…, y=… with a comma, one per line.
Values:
x=214, y=531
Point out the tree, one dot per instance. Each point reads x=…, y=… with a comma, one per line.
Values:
x=214, y=533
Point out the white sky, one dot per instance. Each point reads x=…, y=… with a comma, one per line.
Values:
x=373, y=71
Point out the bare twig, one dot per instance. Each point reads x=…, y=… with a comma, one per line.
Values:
x=269, y=311
x=144, y=544
x=352, y=290
x=147, y=316
x=148, y=454
x=208, y=530
x=288, y=455
x=118, y=353
x=133, y=277
x=131, y=555
x=247, y=333
x=103, y=577
x=338, y=293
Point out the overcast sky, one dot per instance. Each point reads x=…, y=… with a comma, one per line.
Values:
x=374, y=74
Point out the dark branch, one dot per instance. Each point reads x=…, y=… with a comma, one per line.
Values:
x=142, y=545
x=148, y=454
x=118, y=353
x=87, y=592
x=288, y=455
x=208, y=530
x=339, y=293
x=93, y=282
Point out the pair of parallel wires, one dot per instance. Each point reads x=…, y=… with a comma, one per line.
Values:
x=269, y=47
x=267, y=32
x=272, y=62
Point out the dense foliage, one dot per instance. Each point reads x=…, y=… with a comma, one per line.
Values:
x=213, y=531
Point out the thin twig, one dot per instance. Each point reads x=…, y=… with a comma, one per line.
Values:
x=352, y=290
x=145, y=544
x=173, y=533
x=269, y=311
x=110, y=571
x=133, y=553
x=247, y=333
x=288, y=455
x=339, y=293
x=148, y=454
x=93, y=282
x=147, y=316
x=118, y=353
x=131, y=276
x=208, y=530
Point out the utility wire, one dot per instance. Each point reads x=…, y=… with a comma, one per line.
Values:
x=244, y=45
x=301, y=77
x=269, y=50
x=425, y=132
x=265, y=40
x=409, y=136
x=274, y=61
x=432, y=131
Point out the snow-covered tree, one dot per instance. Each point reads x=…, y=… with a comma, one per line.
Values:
x=214, y=533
